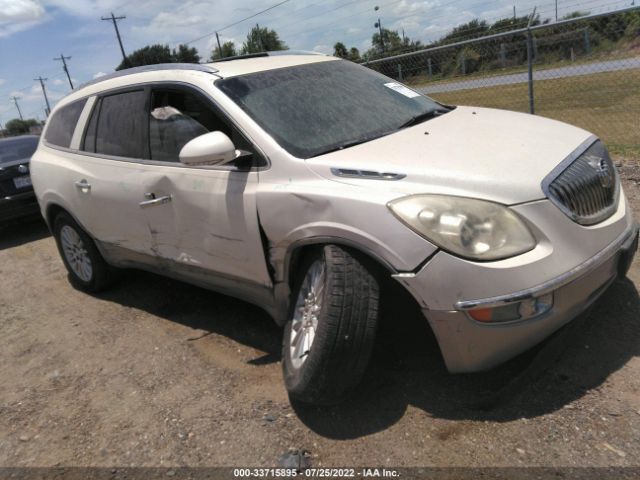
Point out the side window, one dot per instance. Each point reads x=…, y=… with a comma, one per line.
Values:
x=121, y=125
x=63, y=123
x=178, y=116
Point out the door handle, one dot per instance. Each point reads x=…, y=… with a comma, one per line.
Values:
x=83, y=185
x=155, y=201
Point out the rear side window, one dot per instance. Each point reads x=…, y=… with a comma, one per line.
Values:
x=63, y=123
x=121, y=125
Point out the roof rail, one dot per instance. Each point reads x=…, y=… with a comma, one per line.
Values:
x=151, y=68
x=271, y=53
x=240, y=57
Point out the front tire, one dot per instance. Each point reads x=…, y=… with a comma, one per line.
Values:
x=331, y=330
x=87, y=269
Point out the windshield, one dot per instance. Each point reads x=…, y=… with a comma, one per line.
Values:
x=17, y=149
x=320, y=107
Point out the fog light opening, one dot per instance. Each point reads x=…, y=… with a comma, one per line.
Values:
x=529, y=308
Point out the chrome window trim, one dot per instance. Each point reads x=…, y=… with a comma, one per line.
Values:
x=155, y=84
x=561, y=167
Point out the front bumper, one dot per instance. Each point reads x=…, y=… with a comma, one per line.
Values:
x=19, y=205
x=468, y=345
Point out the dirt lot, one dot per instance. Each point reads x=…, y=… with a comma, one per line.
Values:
x=159, y=373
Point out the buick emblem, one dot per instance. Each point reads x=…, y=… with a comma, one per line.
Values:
x=23, y=168
x=604, y=172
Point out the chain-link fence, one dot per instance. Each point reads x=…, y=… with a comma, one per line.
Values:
x=584, y=71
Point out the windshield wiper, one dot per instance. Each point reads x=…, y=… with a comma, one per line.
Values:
x=423, y=117
x=342, y=146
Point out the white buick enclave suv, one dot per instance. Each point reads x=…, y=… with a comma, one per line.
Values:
x=302, y=183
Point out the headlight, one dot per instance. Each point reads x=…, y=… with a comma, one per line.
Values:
x=466, y=227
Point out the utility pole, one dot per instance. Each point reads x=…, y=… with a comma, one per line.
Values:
x=262, y=49
x=64, y=67
x=15, y=100
x=219, y=47
x=115, y=19
x=44, y=92
x=556, y=10
x=379, y=27
x=514, y=13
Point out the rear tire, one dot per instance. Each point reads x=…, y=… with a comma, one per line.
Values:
x=87, y=269
x=331, y=330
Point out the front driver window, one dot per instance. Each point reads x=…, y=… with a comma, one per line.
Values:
x=176, y=117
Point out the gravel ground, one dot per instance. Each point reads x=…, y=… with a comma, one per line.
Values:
x=159, y=373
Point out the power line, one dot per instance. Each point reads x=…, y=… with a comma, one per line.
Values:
x=115, y=19
x=236, y=22
x=64, y=67
x=44, y=92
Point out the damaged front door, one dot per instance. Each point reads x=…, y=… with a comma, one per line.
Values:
x=205, y=221
x=202, y=221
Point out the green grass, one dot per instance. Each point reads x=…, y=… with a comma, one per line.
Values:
x=607, y=104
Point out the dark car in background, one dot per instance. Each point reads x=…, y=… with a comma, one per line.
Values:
x=16, y=193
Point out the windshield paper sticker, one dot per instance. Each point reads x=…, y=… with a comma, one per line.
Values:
x=401, y=89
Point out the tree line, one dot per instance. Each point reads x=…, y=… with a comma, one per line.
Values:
x=552, y=43
x=385, y=42
x=259, y=39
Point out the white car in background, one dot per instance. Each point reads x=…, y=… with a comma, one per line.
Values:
x=303, y=183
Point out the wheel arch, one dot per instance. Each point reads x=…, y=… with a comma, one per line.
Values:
x=53, y=209
x=297, y=251
x=51, y=212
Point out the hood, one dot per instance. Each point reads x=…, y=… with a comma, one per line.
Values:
x=475, y=152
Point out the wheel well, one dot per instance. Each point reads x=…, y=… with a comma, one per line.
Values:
x=396, y=300
x=377, y=266
x=52, y=212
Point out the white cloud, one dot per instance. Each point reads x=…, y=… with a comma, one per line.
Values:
x=171, y=20
x=99, y=74
x=2, y=81
x=18, y=15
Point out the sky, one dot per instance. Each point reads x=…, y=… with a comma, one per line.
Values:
x=33, y=32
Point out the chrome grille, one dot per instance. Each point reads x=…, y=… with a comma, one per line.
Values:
x=587, y=189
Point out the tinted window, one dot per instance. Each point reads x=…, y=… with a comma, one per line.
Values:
x=315, y=108
x=89, y=142
x=20, y=148
x=63, y=123
x=178, y=116
x=121, y=129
